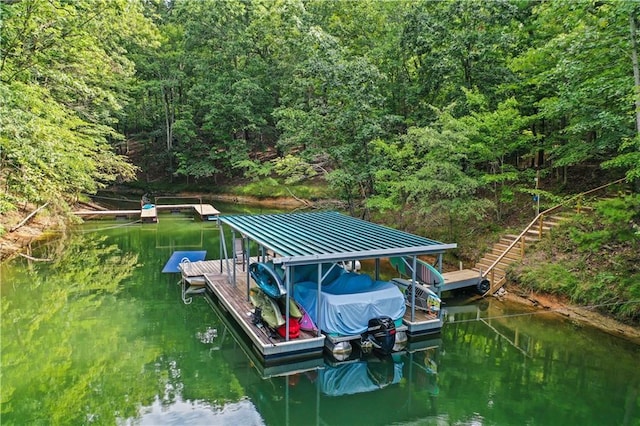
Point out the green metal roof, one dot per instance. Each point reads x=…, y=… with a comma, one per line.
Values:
x=308, y=238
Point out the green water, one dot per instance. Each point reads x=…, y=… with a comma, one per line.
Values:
x=100, y=336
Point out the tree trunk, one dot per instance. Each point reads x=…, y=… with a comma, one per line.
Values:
x=636, y=68
x=168, y=115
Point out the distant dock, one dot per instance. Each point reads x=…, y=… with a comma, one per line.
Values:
x=205, y=212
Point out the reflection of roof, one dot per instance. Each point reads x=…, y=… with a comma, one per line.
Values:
x=306, y=238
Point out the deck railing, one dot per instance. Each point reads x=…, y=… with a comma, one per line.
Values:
x=538, y=220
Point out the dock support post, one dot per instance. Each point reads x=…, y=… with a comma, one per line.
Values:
x=319, y=295
x=540, y=226
x=233, y=240
x=287, y=320
x=247, y=261
x=413, y=288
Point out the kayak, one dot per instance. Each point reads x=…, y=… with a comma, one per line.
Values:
x=294, y=310
x=270, y=313
x=267, y=279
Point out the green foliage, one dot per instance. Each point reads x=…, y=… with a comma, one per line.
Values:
x=617, y=221
x=551, y=278
x=293, y=169
x=580, y=90
x=48, y=152
x=419, y=105
x=254, y=169
x=273, y=188
x=628, y=158
x=593, y=259
x=63, y=68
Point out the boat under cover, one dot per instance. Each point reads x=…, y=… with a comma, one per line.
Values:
x=348, y=303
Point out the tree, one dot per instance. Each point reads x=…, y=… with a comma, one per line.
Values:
x=427, y=171
x=451, y=45
x=333, y=105
x=582, y=88
x=64, y=75
x=499, y=137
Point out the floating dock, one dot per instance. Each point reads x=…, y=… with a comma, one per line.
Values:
x=273, y=348
x=302, y=240
x=461, y=279
x=205, y=212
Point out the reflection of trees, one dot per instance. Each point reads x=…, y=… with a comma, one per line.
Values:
x=528, y=368
x=69, y=354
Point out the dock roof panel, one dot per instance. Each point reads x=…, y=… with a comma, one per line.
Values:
x=307, y=238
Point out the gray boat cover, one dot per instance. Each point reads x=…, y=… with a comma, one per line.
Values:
x=349, y=302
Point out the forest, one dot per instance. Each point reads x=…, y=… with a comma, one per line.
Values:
x=439, y=113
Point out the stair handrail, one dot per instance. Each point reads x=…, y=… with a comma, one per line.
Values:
x=535, y=220
x=582, y=194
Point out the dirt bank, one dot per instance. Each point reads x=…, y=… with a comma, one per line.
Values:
x=40, y=226
x=579, y=314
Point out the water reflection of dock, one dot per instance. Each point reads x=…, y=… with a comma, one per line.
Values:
x=321, y=391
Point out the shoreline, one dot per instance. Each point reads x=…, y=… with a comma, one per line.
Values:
x=44, y=225
x=580, y=314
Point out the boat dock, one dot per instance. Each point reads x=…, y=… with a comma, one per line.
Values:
x=233, y=299
x=462, y=278
x=309, y=248
x=205, y=212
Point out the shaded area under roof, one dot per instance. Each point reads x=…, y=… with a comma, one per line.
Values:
x=307, y=238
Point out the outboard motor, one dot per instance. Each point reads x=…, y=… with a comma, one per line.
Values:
x=381, y=332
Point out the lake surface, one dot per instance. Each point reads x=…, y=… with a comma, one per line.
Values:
x=100, y=336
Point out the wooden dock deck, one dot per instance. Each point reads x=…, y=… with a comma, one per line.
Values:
x=424, y=323
x=205, y=212
x=272, y=348
x=459, y=279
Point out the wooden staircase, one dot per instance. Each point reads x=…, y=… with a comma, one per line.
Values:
x=511, y=248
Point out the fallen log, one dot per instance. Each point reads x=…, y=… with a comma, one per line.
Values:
x=35, y=259
x=26, y=219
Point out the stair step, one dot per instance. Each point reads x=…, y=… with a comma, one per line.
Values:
x=495, y=271
x=497, y=274
x=484, y=265
x=490, y=257
x=502, y=247
x=500, y=266
x=506, y=241
x=511, y=254
x=505, y=245
x=556, y=219
x=550, y=225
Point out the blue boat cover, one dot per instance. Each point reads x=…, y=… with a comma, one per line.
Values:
x=174, y=261
x=347, y=379
x=348, y=303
